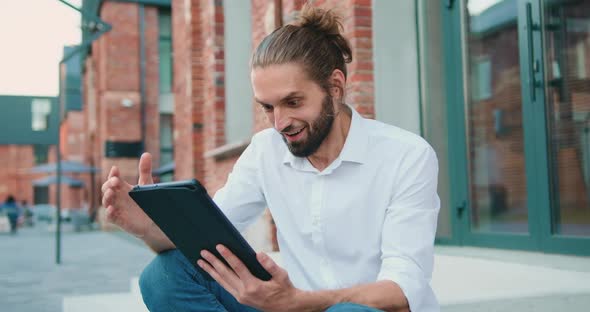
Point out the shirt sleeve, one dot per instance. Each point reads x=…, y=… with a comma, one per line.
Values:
x=241, y=198
x=409, y=230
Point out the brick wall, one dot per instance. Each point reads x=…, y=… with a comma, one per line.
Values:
x=117, y=71
x=188, y=88
x=111, y=76
x=14, y=177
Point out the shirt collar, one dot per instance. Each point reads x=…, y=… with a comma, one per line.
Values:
x=354, y=149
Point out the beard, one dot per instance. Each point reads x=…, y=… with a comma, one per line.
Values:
x=318, y=130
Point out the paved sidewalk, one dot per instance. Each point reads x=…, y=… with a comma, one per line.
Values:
x=100, y=264
x=92, y=262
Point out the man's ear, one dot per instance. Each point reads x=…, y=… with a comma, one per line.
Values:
x=337, y=84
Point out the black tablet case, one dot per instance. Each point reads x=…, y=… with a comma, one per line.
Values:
x=193, y=222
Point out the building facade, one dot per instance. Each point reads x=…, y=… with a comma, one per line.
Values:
x=28, y=137
x=499, y=88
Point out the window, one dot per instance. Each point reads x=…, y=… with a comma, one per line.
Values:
x=434, y=107
x=40, y=110
x=166, y=140
x=40, y=195
x=165, y=51
x=482, y=79
x=41, y=153
x=166, y=90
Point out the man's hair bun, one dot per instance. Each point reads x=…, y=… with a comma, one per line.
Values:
x=325, y=22
x=320, y=20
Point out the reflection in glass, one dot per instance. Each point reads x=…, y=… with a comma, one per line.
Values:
x=495, y=141
x=567, y=55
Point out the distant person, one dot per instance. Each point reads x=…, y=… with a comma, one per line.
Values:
x=10, y=207
x=27, y=213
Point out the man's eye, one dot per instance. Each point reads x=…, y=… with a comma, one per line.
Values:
x=293, y=102
x=267, y=108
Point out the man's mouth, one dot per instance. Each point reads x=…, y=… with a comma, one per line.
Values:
x=294, y=135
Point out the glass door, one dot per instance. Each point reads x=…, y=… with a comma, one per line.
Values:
x=567, y=63
x=494, y=118
x=566, y=116
x=518, y=94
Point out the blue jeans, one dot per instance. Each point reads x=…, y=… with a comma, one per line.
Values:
x=171, y=283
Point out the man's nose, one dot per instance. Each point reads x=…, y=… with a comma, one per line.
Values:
x=281, y=119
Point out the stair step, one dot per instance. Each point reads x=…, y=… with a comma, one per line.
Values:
x=114, y=302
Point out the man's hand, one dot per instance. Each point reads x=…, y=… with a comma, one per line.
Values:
x=277, y=294
x=120, y=208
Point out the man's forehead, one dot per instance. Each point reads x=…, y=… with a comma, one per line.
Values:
x=275, y=82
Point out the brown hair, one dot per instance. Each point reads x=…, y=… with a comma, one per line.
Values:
x=313, y=40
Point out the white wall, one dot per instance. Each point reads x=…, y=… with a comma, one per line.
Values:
x=395, y=59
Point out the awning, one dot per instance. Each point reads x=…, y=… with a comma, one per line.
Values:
x=166, y=168
x=66, y=166
x=46, y=181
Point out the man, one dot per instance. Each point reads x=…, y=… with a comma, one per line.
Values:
x=354, y=200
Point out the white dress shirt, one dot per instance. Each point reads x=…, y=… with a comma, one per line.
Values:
x=369, y=216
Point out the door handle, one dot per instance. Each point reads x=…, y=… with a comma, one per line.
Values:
x=461, y=208
x=534, y=64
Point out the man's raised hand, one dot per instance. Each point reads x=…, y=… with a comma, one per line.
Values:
x=120, y=208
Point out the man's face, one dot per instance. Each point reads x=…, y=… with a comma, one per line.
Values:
x=297, y=107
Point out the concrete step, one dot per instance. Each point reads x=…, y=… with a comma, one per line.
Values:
x=135, y=291
x=107, y=302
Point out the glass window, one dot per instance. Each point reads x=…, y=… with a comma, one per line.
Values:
x=494, y=110
x=40, y=195
x=434, y=108
x=40, y=110
x=166, y=139
x=41, y=153
x=165, y=51
x=567, y=47
x=482, y=79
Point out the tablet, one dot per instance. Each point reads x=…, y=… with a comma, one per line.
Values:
x=193, y=222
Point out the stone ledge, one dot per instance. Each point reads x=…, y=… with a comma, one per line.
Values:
x=228, y=150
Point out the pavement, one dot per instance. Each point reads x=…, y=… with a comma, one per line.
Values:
x=92, y=262
x=102, y=267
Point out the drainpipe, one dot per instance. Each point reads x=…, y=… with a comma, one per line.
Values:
x=142, y=71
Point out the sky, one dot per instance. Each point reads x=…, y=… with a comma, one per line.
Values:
x=477, y=6
x=32, y=35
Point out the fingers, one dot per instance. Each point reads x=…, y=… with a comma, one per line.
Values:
x=108, y=198
x=114, y=183
x=217, y=277
x=225, y=273
x=145, y=169
x=235, y=263
x=268, y=264
x=114, y=172
x=112, y=214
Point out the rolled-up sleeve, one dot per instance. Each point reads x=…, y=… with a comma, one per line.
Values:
x=409, y=230
x=241, y=198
